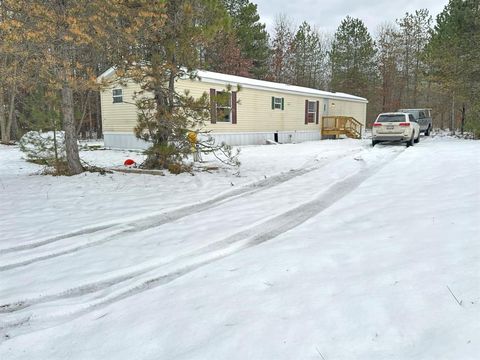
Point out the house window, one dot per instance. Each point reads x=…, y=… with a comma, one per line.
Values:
x=312, y=111
x=277, y=103
x=117, y=96
x=224, y=106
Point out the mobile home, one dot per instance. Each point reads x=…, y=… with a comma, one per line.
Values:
x=260, y=111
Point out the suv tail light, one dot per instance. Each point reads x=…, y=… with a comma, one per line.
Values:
x=404, y=124
x=377, y=124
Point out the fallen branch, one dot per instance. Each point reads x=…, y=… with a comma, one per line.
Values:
x=138, y=171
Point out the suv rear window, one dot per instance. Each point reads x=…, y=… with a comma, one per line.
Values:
x=391, y=118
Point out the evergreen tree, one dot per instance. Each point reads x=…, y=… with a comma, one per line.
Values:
x=225, y=56
x=167, y=52
x=15, y=66
x=302, y=52
x=309, y=57
x=59, y=37
x=414, y=36
x=388, y=62
x=454, y=53
x=282, y=57
x=251, y=34
x=352, y=59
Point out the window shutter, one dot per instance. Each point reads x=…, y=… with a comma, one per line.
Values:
x=213, y=107
x=273, y=103
x=317, y=111
x=306, y=112
x=234, y=107
x=283, y=103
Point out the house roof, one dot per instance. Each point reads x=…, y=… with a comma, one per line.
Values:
x=209, y=76
x=106, y=74
x=225, y=79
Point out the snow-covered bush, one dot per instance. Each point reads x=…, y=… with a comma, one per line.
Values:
x=40, y=146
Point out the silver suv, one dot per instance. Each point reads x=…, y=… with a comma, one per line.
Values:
x=423, y=117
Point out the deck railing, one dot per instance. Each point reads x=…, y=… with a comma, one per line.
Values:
x=341, y=125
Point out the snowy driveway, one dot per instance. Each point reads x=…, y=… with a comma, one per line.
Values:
x=327, y=249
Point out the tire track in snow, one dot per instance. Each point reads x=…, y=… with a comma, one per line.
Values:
x=102, y=284
x=178, y=213
x=271, y=181
x=159, y=220
x=253, y=236
x=54, y=239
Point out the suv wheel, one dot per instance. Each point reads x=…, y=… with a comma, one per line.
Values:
x=411, y=141
x=417, y=140
x=427, y=133
x=374, y=142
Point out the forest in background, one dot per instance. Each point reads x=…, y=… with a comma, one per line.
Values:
x=51, y=53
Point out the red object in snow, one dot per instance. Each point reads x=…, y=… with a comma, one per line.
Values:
x=129, y=162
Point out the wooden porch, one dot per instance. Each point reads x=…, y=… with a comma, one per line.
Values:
x=341, y=125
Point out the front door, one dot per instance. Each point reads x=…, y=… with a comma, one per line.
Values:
x=325, y=107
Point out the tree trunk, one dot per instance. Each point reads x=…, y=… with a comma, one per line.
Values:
x=55, y=148
x=3, y=119
x=453, y=116
x=415, y=85
x=81, y=128
x=71, y=147
x=463, y=118
x=428, y=92
x=14, y=131
x=11, y=111
x=384, y=90
x=98, y=116
x=90, y=123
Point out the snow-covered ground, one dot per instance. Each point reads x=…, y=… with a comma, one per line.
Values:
x=321, y=250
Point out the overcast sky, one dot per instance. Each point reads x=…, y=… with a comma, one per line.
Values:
x=327, y=15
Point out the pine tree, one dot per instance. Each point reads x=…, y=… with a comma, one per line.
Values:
x=225, y=56
x=352, y=58
x=388, y=55
x=251, y=34
x=168, y=51
x=282, y=57
x=59, y=37
x=453, y=55
x=309, y=57
x=15, y=67
x=414, y=36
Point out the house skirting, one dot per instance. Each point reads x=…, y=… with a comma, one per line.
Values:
x=123, y=140
x=120, y=140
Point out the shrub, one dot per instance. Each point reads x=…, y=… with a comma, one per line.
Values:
x=176, y=168
x=39, y=147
